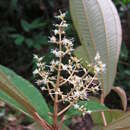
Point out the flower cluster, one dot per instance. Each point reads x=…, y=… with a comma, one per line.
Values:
x=66, y=71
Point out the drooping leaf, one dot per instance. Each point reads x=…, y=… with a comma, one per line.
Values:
x=99, y=29
x=92, y=106
x=122, y=95
x=21, y=94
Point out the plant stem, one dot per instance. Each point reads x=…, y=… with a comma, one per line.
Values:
x=55, y=118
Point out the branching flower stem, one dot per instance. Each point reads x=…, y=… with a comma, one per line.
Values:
x=66, y=72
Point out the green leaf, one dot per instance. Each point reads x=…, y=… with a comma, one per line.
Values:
x=13, y=4
x=29, y=42
x=37, y=23
x=25, y=25
x=41, y=40
x=19, y=40
x=99, y=29
x=21, y=94
x=92, y=106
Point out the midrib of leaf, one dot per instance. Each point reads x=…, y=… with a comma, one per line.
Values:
x=23, y=102
x=11, y=86
x=17, y=97
x=14, y=93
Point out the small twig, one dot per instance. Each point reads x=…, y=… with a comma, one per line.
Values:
x=50, y=92
x=68, y=77
x=65, y=109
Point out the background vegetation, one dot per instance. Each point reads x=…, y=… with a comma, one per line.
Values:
x=24, y=29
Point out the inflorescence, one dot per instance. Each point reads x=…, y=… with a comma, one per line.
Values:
x=66, y=71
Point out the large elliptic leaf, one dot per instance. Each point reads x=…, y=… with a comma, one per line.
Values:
x=21, y=94
x=99, y=29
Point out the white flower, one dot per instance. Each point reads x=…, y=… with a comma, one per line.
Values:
x=89, y=112
x=97, y=88
x=56, y=31
x=54, y=51
x=97, y=68
x=67, y=42
x=52, y=62
x=65, y=67
x=52, y=39
x=97, y=57
x=77, y=79
x=35, y=72
x=35, y=56
x=77, y=94
x=57, y=53
x=76, y=106
x=103, y=67
x=40, y=59
x=64, y=25
x=39, y=82
x=43, y=88
x=61, y=16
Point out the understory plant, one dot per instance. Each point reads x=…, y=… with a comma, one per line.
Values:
x=66, y=72
x=65, y=80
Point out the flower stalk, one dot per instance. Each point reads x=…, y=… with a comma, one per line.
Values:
x=65, y=71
